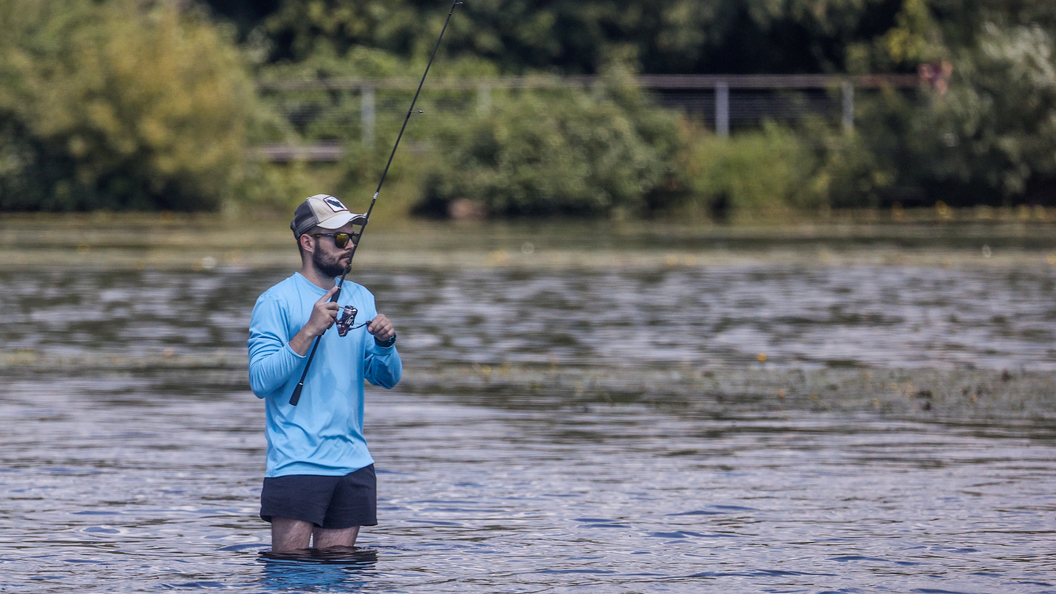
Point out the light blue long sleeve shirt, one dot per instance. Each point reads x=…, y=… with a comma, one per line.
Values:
x=323, y=434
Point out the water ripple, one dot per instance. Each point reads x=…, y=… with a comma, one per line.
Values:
x=125, y=474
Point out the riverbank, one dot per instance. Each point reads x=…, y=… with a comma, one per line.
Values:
x=167, y=241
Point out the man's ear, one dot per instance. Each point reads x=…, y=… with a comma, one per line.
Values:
x=306, y=243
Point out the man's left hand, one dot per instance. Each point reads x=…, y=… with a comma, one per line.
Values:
x=381, y=328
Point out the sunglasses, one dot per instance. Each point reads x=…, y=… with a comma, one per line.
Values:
x=340, y=239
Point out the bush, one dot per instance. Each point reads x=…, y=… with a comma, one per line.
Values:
x=769, y=172
x=119, y=104
x=986, y=135
x=993, y=134
x=602, y=152
x=859, y=168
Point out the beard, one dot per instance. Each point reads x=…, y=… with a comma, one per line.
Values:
x=328, y=265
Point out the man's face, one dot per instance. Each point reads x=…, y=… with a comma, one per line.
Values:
x=329, y=259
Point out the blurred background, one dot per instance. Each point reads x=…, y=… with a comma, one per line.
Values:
x=682, y=110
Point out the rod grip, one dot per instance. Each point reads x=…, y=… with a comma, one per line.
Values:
x=296, y=397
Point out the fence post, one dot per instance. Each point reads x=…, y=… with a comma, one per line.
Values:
x=367, y=117
x=848, y=106
x=483, y=98
x=722, y=109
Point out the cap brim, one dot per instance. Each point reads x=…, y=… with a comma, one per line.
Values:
x=340, y=220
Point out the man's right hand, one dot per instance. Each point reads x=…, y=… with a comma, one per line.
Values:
x=324, y=314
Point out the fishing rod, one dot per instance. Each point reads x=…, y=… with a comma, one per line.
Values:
x=350, y=311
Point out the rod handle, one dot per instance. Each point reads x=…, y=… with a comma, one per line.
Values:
x=296, y=397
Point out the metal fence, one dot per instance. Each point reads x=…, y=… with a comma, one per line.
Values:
x=721, y=102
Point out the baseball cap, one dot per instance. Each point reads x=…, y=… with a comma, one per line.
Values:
x=322, y=210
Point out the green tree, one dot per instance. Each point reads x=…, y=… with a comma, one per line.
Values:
x=576, y=36
x=119, y=104
x=993, y=134
x=983, y=132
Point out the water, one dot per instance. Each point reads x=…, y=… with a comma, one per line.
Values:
x=132, y=451
x=809, y=317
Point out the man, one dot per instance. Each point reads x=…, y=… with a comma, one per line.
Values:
x=319, y=487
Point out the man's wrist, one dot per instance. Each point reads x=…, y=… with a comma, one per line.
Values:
x=386, y=343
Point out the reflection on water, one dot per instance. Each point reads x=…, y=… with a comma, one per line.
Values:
x=121, y=472
x=316, y=570
x=351, y=556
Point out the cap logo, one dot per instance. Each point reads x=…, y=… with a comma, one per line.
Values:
x=334, y=204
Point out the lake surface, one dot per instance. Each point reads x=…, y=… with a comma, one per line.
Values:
x=132, y=450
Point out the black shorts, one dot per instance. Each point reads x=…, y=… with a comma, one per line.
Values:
x=332, y=502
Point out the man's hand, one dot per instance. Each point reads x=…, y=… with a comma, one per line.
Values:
x=381, y=328
x=324, y=314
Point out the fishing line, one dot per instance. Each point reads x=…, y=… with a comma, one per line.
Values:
x=296, y=396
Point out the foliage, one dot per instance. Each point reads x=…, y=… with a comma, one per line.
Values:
x=985, y=131
x=912, y=39
x=851, y=172
x=606, y=151
x=575, y=36
x=118, y=104
x=995, y=129
x=149, y=104
x=767, y=172
x=981, y=133
x=960, y=24
x=335, y=115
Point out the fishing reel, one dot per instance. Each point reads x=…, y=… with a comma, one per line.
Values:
x=348, y=317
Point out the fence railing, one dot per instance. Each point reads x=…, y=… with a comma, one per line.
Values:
x=718, y=100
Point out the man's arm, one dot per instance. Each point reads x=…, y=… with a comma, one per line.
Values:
x=324, y=314
x=383, y=366
x=272, y=359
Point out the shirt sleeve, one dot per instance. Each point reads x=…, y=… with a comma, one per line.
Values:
x=381, y=365
x=272, y=363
